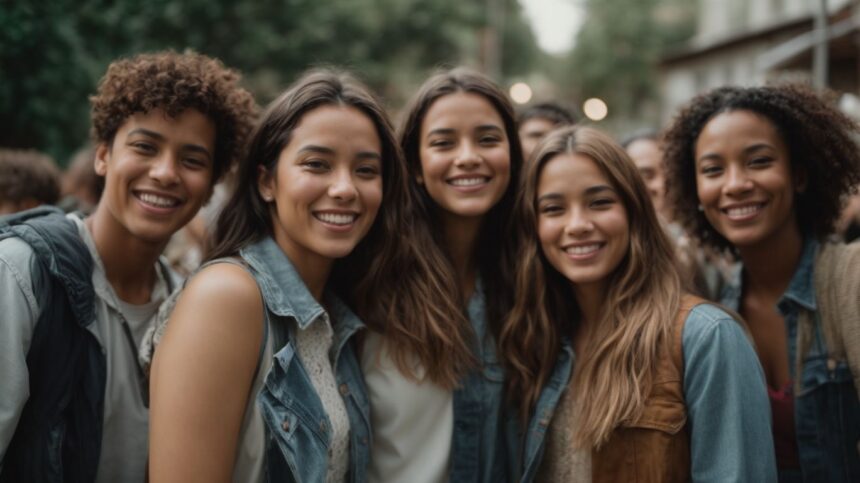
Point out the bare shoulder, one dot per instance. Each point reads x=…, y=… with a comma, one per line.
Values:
x=224, y=302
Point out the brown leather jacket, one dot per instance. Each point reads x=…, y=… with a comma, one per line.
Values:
x=656, y=447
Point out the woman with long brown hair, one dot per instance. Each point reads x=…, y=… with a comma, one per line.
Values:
x=435, y=384
x=257, y=377
x=664, y=386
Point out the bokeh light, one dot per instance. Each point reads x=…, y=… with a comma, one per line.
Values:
x=595, y=109
x=521, y=93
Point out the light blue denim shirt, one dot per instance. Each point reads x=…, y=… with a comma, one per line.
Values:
x=296, y=422
x=724, y=391
x=826, y=410
x=476, y=452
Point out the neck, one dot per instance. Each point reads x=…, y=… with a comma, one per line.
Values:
x=770, y=265
x=461, y=239
x=129, y=262
x=312, y=268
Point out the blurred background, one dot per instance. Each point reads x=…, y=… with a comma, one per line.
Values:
x=624, y=64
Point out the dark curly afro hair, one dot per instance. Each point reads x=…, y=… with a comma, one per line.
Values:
x=821, y=142
x=175, y=82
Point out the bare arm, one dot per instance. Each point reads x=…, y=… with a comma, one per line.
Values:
x=201, y=377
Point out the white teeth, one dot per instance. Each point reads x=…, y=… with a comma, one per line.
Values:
x=743, y=211
x=583, y=249
x=158, y=201
x=468, y=181
x=336, y=218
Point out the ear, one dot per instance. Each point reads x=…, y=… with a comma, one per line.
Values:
x=801, y=180
x=265, y=183
x=101, y=159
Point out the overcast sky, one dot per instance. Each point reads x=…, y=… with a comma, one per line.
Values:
x=554, y=22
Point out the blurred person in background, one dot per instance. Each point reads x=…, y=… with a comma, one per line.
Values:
x=763, y=172
x=81, y=187
x=849, y=222
x=78, y=293
x=704, y=271
x=28, y=179
x=537, y=120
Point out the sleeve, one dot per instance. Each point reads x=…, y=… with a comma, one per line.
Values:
x=726, y=395
x=18, y=314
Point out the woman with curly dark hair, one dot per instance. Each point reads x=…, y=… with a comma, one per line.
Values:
x=763, y=172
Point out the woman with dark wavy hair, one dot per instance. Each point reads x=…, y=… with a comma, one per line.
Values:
x=665, y=387
x=257, y=376
x=763, y=172
x=435, y=383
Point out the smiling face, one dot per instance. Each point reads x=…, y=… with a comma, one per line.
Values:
x=327, y=185
x=465, y=155
x=744, y=179
x=158, y=173
x=582, y=224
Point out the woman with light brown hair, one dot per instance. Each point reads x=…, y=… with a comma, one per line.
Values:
x=665, y=387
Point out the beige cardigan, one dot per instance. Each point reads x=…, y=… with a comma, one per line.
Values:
x=837, y=294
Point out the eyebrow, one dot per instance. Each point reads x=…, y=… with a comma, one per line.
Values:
x=159, y=137
x=313, y=148
x=592, y=190
x=442, y=131
x=747, y=150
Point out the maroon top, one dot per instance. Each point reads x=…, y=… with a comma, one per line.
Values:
x=784, y=437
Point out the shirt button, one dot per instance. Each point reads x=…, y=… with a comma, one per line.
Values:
x=831, y=364
x=322, y=426
x=285, y=425
x=344, y=389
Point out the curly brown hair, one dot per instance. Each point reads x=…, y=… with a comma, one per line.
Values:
x=820, y=139
x=175, y=82
x=28, y=174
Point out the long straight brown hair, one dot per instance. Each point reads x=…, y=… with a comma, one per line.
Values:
x=614, y=374
x=388, y=276
x=445, y=345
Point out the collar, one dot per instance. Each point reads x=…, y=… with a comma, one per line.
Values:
x=284, y=290
x=801, y=288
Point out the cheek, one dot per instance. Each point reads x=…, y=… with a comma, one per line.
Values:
x=548, y=231
x=371, y=194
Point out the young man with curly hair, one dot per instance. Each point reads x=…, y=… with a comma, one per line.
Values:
x=78, y=294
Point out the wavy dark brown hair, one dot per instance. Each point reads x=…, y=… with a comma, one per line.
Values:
x=821, y=142
x=613, y=375
x=388, y=279
x=494, y=250
x=175, y=82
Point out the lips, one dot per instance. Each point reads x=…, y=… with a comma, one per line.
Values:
x=159, y=201
x=336, y=218
x=742, y=212
x=582, y=251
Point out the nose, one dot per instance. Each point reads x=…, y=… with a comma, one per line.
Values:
x=164, y=169
x=467, y=156
x=578, y=223
x=342, y=187
x=737, y=181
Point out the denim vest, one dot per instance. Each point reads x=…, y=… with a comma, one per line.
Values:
x=477, y=448
x=527, y=452
x=827, y=410
x=58, y=437
x=297, y=425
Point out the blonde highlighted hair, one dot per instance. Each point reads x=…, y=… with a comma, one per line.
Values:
x=615, y=371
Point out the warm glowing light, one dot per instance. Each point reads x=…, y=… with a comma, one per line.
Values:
x=595, y=109
x=521, y=93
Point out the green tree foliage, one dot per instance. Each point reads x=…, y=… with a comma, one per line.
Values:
x=52, y=52
x=617, y=51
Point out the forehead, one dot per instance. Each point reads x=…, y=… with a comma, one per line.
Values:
x=335, y=122
x=188, y=127
x=460, y=110
x=737, y=127
x=571, y=174
x=537, y=124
